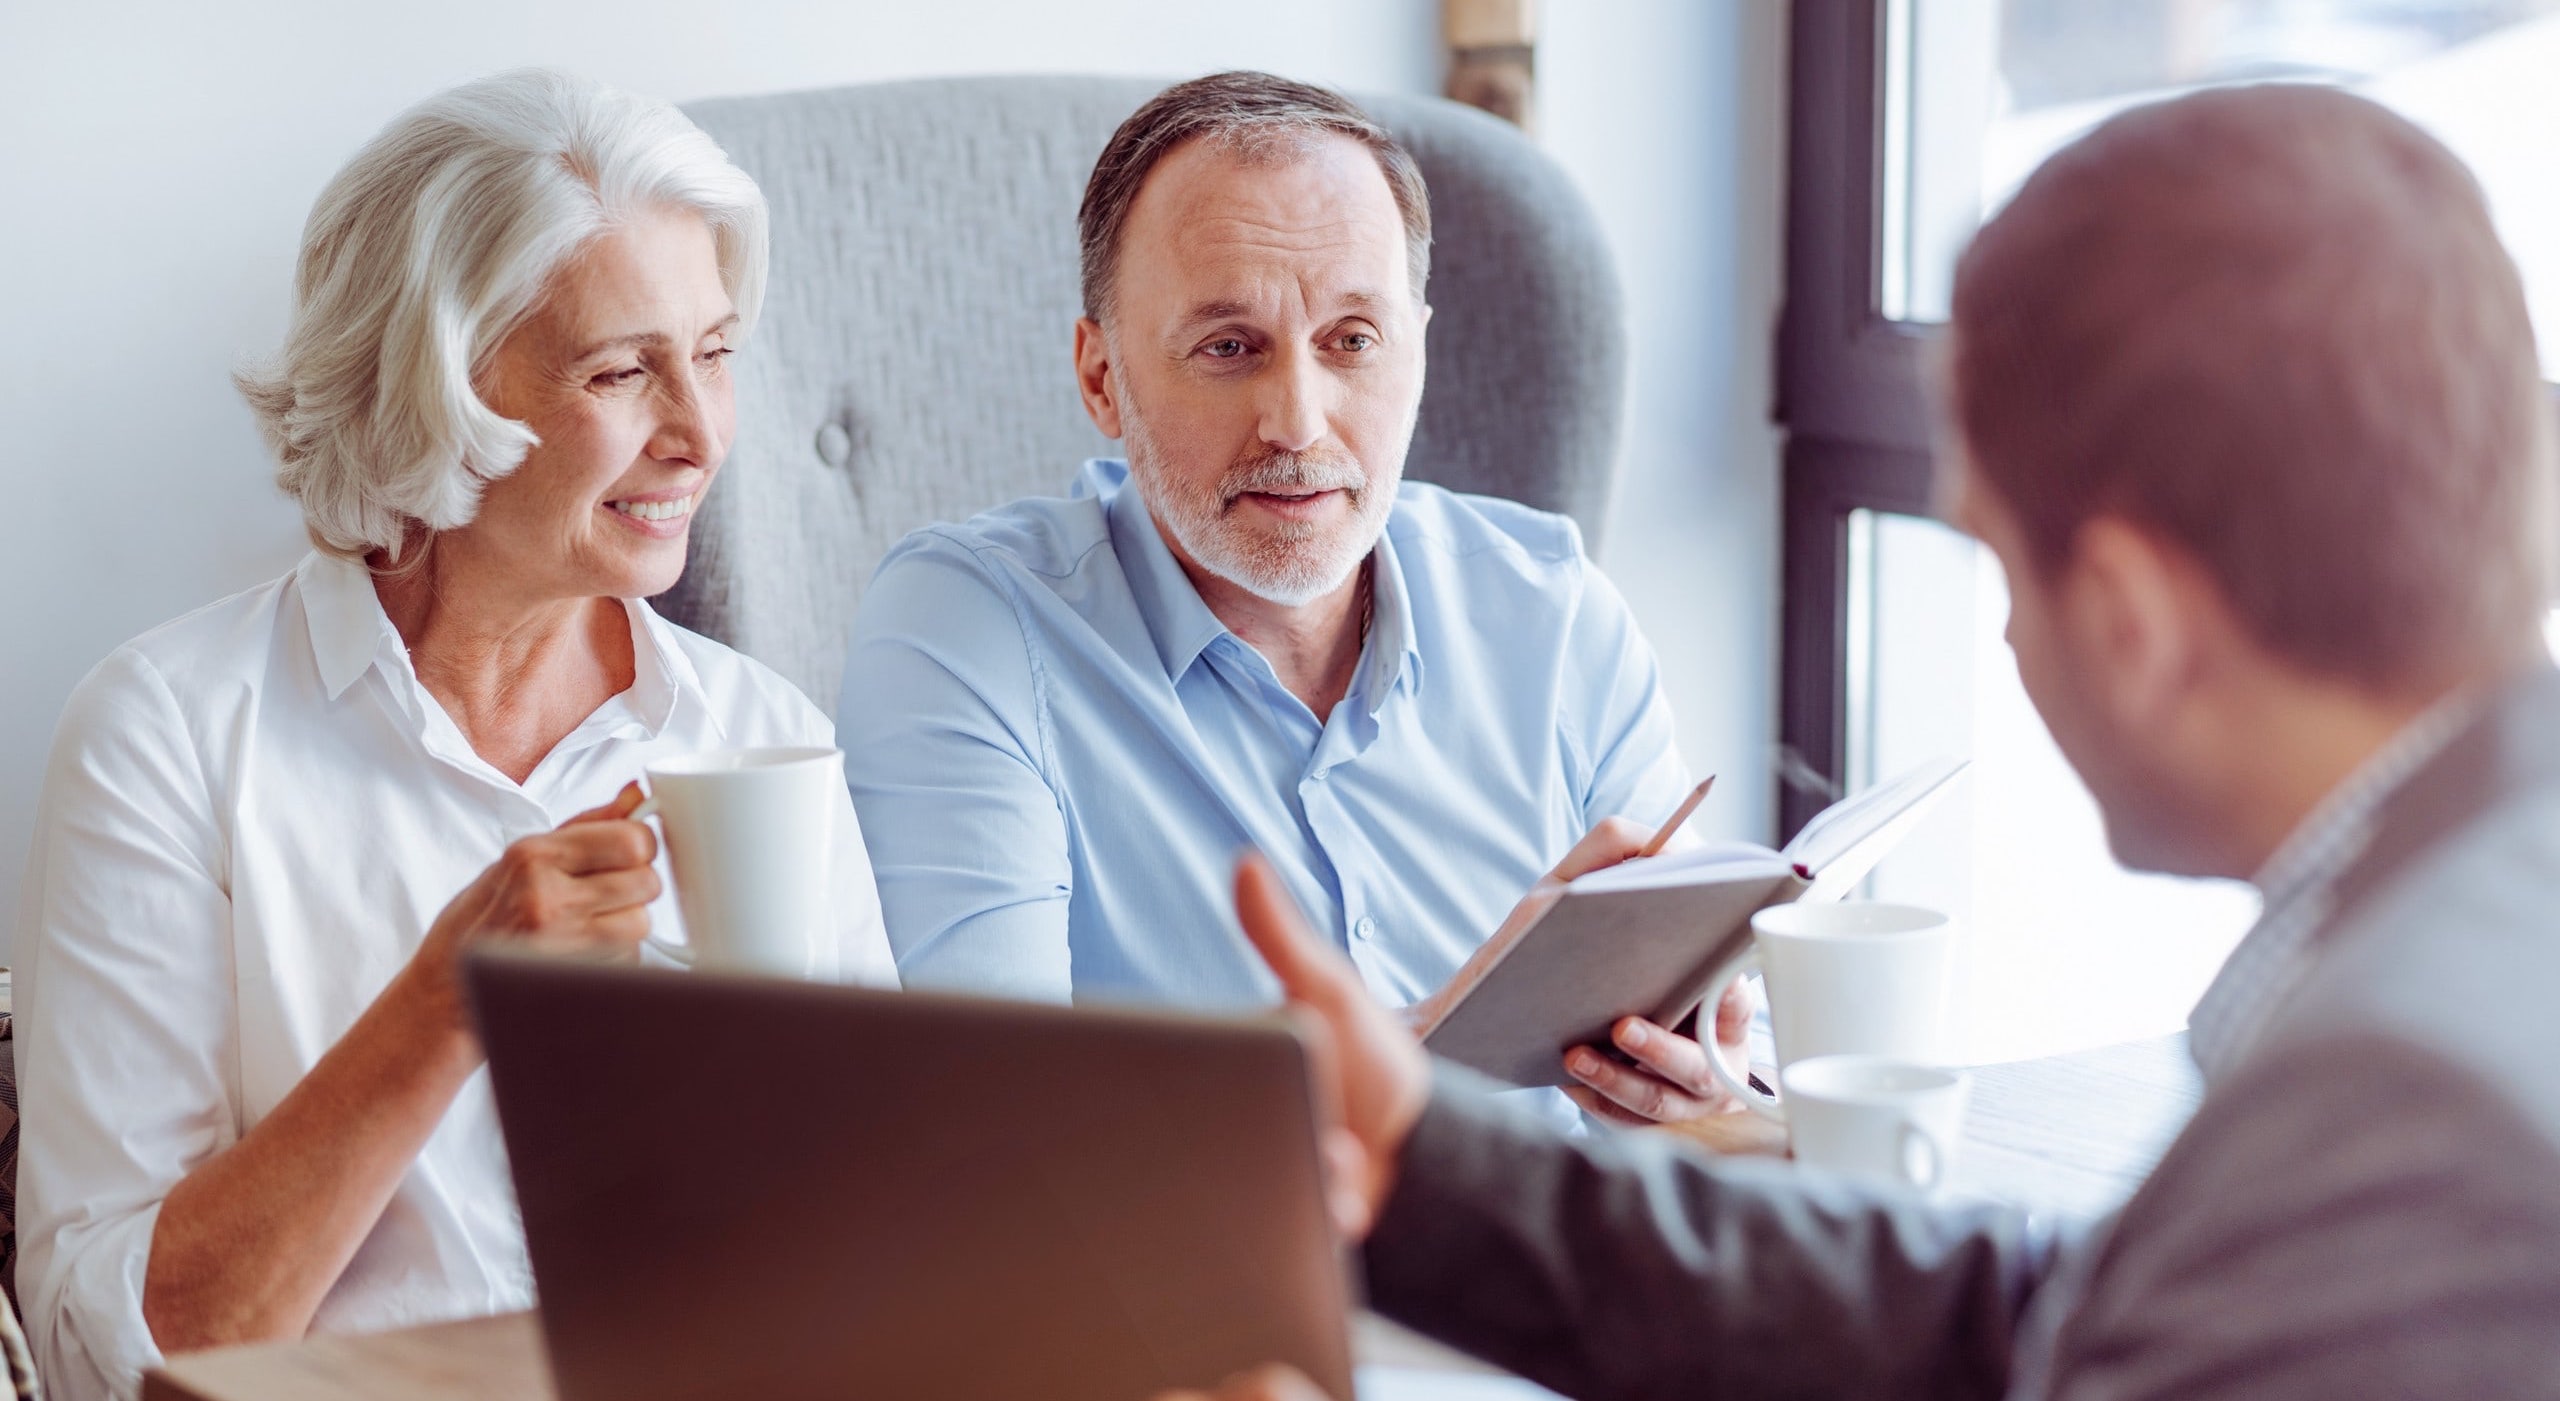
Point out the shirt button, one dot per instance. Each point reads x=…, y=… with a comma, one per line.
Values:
x=1318, y=776
x=1367, y=928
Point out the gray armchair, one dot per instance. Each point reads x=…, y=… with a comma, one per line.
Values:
x=914, y=363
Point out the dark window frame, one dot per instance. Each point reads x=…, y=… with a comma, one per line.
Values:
x=1851, y=395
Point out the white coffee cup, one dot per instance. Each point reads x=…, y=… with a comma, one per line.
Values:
x=749, y=834
x=1860, y=976
x=1875, y=1117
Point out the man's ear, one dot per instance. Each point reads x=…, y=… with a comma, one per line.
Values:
x=1093, y=376
x=2145, y=613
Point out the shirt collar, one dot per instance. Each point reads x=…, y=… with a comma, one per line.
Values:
x=2327, y=841
x=349, y=630
x=351, y=634
x=1393, y=653
x=2298, y=882
x=662, y=676
x=1180, y=623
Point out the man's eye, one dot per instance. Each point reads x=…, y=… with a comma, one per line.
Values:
x=1224, y=350
x=1357, y=341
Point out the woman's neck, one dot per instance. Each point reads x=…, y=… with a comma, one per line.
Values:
x=515, y=667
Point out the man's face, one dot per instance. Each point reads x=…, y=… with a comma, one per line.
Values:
x=1263, y=360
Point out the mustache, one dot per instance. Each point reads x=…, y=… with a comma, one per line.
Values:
x=1283, y=473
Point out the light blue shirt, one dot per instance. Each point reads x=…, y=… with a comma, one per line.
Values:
x=1057, y=749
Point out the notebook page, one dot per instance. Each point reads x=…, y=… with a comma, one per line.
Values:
x=1845, y=841
x=1702, y=864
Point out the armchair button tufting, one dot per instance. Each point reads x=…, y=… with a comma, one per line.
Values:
x=835, y=444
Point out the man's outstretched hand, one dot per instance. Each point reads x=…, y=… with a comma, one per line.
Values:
x=1372, y=1078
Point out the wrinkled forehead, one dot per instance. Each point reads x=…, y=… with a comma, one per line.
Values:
x=1309, y=216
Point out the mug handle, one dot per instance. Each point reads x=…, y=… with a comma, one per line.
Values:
x=1756, y=1100
x=679, y=954
x=1923, y=1163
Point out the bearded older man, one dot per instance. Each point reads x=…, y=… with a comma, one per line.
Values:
x=1062, y=718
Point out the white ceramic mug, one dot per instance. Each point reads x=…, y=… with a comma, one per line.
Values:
x=1859, y=976
x=749, y=835
x=1875, y=1117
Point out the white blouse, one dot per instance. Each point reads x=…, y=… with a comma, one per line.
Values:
x=249, y=820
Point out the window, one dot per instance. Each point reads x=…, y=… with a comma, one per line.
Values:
x=1910, y=121
x=1978, y=92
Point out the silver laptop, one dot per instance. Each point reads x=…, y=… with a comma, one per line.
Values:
x=739, y=1187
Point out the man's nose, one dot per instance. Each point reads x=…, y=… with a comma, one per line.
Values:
x=1296, y=400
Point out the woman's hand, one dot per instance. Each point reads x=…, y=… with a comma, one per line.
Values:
x=585, y=884
x=248, y=1243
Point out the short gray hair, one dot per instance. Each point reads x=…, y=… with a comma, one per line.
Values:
x=432, y=245
x=1256, y=116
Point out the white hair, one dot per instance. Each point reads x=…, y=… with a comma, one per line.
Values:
x=432, y=245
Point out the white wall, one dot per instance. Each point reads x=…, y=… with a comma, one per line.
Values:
x=157, y=159
x=1672, y=116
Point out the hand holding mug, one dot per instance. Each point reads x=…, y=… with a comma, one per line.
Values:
x=584, y=885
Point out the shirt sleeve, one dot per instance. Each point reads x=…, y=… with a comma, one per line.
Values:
x=862, y=944
x=1622, y=724
x=1619, y=1265
x=128, y=1031
x=2349, y=1215
x=943, y=736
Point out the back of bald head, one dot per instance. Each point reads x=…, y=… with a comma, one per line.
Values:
x=2273, y=326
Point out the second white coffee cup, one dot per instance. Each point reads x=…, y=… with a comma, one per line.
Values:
x=1876, y=1118
x=1860, y=976
x=749, y=836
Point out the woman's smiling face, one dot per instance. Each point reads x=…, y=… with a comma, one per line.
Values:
x=621, y=373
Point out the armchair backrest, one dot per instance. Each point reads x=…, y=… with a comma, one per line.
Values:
x=914, y=360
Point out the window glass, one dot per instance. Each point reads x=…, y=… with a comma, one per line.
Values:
x=2060, y=947
x=1979, y=92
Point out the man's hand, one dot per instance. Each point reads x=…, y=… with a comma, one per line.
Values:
x=1269, y=1382
x=1371, y=1076
x=1670, y=1082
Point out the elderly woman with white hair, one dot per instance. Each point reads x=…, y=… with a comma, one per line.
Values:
x=254, y=1105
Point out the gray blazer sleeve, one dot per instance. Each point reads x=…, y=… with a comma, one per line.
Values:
x=2351, y=1216
x=1621, y=1266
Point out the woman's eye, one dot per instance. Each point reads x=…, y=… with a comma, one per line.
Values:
x=612, y=378
x=711, y=358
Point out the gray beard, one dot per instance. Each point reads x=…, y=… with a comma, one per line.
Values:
x=1289, y=563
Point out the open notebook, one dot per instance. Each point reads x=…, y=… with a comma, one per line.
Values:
x=1643, y=937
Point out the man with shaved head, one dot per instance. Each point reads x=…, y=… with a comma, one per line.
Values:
x=2243, y=397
